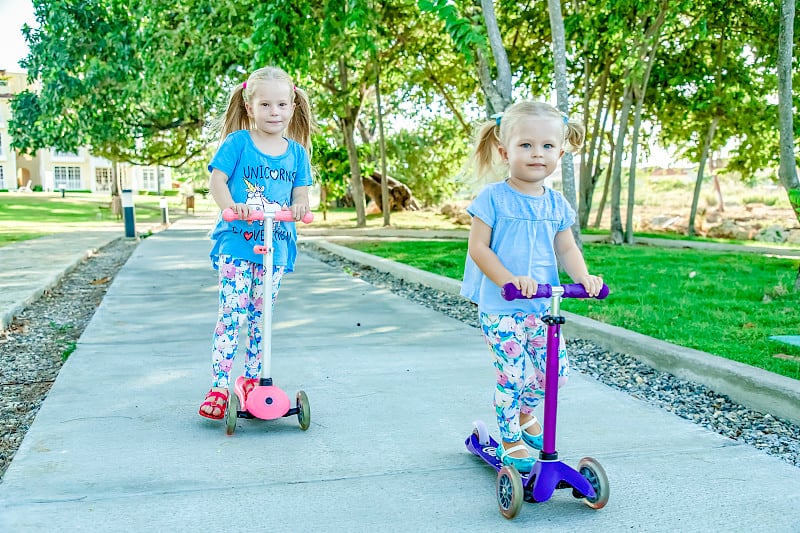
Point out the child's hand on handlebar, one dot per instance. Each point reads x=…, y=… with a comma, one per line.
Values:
x=299, y=211
x=526, y=285
x=592, y=284
x=242, y=211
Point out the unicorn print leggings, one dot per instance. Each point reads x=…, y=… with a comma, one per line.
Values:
x=241, y=296
x=518, y=344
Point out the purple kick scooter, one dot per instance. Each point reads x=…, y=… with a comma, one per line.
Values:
x=588, y=481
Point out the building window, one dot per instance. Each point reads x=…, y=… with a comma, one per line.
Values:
x=149, y=179
x=102, y=179
x=2, y=179
x=67, y=177
x=58, y=153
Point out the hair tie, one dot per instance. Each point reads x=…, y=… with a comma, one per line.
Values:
x=565, y=118
x=295, y=88
x=497, y=117
x=244, y=85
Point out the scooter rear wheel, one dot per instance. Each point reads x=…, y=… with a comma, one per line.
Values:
x=480, y=431
x=509, y=491
x=303, y=410
x=231, y=414
x=594, y=473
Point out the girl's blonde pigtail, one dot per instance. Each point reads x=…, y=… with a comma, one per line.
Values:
x=236, y=117
x=574, y=136
x=486, y=143
x=303, y=124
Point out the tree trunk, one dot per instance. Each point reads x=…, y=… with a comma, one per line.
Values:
x=699, y=182
x=616, y=174
x=591, y=153
x=356, y=188
x=348, y=125
x=712, y=167
x=637, y=118
x=503, y=84
x=788, y=169
x=562, y=94
x=640, y=93
x=384, y=185
x=603, y=199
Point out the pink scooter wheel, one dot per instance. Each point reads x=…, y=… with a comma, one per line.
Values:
x=267, y=402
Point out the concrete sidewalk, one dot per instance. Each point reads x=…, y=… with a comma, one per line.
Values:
x=29, y=268
x=394, y=388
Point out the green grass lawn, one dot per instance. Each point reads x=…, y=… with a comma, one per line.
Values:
x=726, y=304
x=29, y=215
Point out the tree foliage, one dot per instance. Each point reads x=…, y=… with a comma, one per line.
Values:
x=126, y=79
x=141, y=81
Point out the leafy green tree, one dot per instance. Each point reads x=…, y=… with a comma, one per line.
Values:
x=112, y=75
x=428, y=157
x=327, y=43
x=712, y=86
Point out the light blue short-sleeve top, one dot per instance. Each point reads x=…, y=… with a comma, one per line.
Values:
x=258, y=179
x=523, y=233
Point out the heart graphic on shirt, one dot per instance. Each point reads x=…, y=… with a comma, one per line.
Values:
x=248, y=235
x=273, y=174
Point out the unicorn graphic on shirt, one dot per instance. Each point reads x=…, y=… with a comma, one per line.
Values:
x=256, y=199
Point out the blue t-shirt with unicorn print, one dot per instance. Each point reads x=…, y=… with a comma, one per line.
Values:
x=258, y=180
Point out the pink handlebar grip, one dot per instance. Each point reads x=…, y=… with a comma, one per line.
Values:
x=284, y=215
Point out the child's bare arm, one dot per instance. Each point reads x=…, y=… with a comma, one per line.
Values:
x=480, y=238
x=218, y=186
x=300, y=204
x=573, y=262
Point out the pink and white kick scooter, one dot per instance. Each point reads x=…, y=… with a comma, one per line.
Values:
x=266, y=401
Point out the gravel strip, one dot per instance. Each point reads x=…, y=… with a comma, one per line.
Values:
x=620, y=371
x=32, y=349
x=34, y=346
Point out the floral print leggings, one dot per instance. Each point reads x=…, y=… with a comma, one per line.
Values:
x=518, y=343
x=241, y=297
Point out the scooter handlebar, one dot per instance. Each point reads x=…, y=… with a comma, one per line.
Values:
x=284, y=215
x=544, y=290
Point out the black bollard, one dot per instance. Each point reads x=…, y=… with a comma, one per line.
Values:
x=128, y=214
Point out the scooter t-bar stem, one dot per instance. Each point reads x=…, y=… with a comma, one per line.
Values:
x=284, y=215
x=571, y=290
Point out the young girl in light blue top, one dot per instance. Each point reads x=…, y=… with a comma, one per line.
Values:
x=520, y=231
x=255, y=166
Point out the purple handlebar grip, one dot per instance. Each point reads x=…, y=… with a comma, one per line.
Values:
x=543, y=290
x=284, y=215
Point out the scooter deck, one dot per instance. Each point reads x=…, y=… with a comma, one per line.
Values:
x=551, y=475
x=485, y=451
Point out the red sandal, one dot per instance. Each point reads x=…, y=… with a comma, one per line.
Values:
x=218, y=401
x=244, y=386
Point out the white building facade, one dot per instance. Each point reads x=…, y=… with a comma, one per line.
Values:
x=51, y=170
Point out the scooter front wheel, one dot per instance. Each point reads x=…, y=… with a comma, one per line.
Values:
x=509, y=491
x=303, y=410
x=594, y=473
x=232, y=413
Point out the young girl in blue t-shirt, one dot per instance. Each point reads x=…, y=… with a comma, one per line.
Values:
x=256, y=165
x=520, y=230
